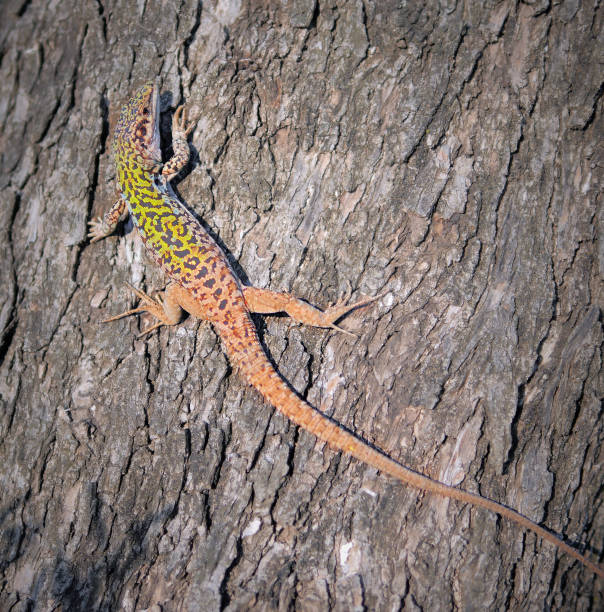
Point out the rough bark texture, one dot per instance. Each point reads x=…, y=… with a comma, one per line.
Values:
x=450, y=153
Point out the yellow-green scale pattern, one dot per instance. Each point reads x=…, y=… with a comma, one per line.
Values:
x=173, y=237
x=167, y=229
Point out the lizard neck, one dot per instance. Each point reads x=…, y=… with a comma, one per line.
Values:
x=142, y=190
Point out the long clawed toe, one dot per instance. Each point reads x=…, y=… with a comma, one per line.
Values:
x=180, y=121
x=97, y=230
x=344, y=331
x=341, y=308
x=154, y=307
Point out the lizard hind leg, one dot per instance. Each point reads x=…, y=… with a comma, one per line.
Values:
x=167, y=311
x=264, y=301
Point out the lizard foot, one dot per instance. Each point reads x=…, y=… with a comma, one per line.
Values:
x=341, y=307
x=180, y=121
x=154, y=307
x=98, y=230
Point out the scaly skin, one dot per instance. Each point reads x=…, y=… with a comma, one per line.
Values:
x=204, y=284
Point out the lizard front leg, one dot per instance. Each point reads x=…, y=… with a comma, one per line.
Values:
x=264, y=301
x=101, y=227
x=180, y=146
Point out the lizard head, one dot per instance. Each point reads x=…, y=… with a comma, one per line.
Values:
x=137, y=130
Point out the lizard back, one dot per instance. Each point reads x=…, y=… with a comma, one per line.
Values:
x=174, y=238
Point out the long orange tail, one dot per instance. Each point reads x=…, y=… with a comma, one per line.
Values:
x=259, y=372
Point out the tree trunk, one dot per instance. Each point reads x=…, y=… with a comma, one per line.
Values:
x=449, y=154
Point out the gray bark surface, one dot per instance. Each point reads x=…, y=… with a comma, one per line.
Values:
x=450, y=153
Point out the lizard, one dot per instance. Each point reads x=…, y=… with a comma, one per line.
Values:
x=203, y=283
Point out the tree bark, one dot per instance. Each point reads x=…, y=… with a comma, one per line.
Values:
x=446, y=152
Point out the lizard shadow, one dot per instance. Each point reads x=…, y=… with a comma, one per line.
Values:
x=193, y=163
x=259, y=320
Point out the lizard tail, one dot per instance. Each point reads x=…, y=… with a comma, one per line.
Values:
x=260, y=373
